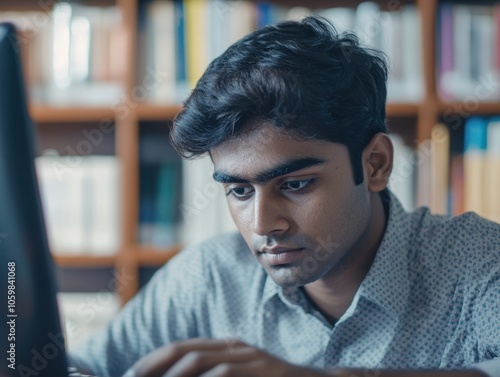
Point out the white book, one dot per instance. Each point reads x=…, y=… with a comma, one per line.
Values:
x=80, y=50
x=412, y=75
x=388, y=44
x=367, y=23
x=103, y=188
x=61, y=21
x=459, y=82
x=218, y=18
x=62, y=194
x=298, y=13
x=44, y=51
x=492, y=172
x=117, y=42
x=204, y=209
x=241, y=21
x=402, y=179
x=484, y=28
x=342, y=18
x=161, y=39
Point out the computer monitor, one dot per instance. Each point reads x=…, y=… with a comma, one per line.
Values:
x=31, y=338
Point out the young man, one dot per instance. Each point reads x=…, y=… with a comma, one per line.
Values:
x=328, y=275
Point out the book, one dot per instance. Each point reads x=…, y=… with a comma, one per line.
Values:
x=445, y=47
x=440, y=152
x=492, y=174
x=61, y=16
x=367, y=23
x=411, y=62
x=204, y=210
x=81, y=203
x=147, y=202
x=103, y=204
x=197, y=42
x=402, y=179
x=160, y=41
x=467, y=52
x=474, y=164
x=62, y=194
x=341, y=17
x=423, y=195
x=456, y=201
x=165, y=224
x=182, y=85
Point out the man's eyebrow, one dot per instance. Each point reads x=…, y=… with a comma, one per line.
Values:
x=286, y=167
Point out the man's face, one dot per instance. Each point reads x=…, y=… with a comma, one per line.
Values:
x=294, y=202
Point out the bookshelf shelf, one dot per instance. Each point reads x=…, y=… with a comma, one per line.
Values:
x=49, y=114
x=154, y=257
x=402, y=109
x=84, y=260
x=156, y=112
x=414, y=119
x=470, y=108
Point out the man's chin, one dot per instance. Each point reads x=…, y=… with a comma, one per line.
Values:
x=290, y=276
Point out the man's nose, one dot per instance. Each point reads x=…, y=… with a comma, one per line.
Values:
x=269, y=215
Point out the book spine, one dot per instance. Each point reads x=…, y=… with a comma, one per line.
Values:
x=474, y=168
x=492, y=178
x=196, y=39
x=440, y=152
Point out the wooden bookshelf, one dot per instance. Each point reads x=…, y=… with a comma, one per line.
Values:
x=52, y=114
x=155, y=112
x=152, y=256
x=132, y=256
x=84, y=260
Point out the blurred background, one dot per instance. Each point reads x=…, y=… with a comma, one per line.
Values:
x=106, y=78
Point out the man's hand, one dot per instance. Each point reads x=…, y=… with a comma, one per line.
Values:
x=216, y=358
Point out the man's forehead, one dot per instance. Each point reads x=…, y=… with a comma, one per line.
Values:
x=263, y=138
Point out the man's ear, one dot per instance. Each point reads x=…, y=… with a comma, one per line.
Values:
x=377, y=158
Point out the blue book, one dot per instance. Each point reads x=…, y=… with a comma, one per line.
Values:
x=475, y=143
x=166, y=200
x=476, y=134
x=147, y=201
x=180, y=44
x=264, y=14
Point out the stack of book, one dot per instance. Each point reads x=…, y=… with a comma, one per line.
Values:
x=159, y=199
x=178, y=39
x=402, y=180
x=465, y=168
x=468, y=63
x=80, y=198
x=72, y=54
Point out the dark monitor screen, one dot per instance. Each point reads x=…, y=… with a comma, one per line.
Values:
x=30, y=333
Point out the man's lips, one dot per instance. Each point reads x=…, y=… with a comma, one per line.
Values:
x=278, y=249
x=280, y=254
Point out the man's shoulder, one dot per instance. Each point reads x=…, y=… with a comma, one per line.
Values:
x=467, y=230
x=466, y=240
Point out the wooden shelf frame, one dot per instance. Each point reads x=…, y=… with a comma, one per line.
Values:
x=131, y=256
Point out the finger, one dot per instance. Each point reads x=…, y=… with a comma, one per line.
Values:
x=157, y=362
x=250, y=369
x=197, y=362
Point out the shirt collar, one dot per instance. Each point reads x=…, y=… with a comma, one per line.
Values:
x=386, y=283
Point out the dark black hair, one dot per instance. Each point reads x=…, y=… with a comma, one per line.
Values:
x=300, y=76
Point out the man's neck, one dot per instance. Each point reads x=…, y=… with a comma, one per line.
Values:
x=333, y=294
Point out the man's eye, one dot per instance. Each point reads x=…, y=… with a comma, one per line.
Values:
x=297, y=185
x=240, y=192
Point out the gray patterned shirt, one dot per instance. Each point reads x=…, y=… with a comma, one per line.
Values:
x=430, y=300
